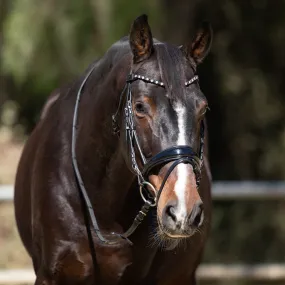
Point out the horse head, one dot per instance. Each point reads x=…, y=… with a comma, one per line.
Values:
x=163, y=123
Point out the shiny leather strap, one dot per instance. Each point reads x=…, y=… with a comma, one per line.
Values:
x=171, y=154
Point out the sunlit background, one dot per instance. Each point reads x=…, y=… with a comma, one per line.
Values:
x=44, y=44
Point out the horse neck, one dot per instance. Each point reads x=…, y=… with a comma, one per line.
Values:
x=105, y=174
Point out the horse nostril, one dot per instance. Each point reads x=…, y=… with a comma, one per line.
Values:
x=198, y=219
x=197, y=215
x=170, y=211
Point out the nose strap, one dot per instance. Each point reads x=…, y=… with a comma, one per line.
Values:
x=178, y=154
x=171, y=154
x=171, y=168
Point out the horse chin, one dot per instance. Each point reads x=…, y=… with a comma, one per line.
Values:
x=169, y=241
x=176, y=237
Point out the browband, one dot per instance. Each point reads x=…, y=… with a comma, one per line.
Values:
x=132, y=77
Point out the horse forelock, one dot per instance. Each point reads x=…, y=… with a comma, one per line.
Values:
x=171, y=64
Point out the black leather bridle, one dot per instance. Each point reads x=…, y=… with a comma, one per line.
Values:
x=175, y=154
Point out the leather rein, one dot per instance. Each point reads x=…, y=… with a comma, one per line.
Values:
x=175, y=154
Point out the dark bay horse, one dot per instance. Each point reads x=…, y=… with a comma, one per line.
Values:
x=113, y=186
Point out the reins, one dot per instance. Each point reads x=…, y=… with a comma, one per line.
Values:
x=75, y=164
x=145, y=208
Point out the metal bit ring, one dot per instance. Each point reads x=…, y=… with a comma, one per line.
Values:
x=142, y=184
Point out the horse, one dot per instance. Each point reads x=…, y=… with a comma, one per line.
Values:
x=114, y=184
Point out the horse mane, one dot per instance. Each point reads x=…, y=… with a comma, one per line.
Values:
x=49, y=103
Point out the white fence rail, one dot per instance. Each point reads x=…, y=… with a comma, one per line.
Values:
x=6, y=192
x=206, y=272
x=222, y=190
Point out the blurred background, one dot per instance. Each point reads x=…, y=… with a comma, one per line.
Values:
x=44, y=44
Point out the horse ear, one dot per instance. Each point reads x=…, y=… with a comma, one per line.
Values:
x=141, y=41
x=201, y=44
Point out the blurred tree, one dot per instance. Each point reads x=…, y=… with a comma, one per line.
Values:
x=3, y=15
x=45, y=45
x=49, y=42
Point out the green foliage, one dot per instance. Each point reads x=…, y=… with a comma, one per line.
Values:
x=22, y=32
x=125, y=11
x=47, y=43
x=47, y=39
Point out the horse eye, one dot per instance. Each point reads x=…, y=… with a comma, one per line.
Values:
x=139, y=107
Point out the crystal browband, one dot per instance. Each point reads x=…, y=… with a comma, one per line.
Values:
x=149, y=80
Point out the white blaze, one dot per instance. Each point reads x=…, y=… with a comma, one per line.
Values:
x=180, y=185
x=181, y=125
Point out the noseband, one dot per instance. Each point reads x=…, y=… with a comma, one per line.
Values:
x=175, y=154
